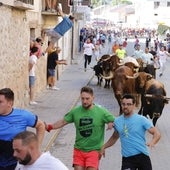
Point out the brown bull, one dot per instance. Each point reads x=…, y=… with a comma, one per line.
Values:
x=140, y=81
x=121, y=84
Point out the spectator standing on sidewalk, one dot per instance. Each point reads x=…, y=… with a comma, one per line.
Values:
x=81, y=41
x=27, y=152
x=32, y=62
x=131, y=128
x=52, y=62
x=38, y=43
x=89, y=119
x=88, y=52
x=14, y=121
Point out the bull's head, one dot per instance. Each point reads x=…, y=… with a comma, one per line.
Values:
x=141, y=78
x=152, y=96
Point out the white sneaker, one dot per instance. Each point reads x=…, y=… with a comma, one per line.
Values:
x=48, y=10
x=55, y=88
x=53, y=10
x=48, y=87
x=33, y=103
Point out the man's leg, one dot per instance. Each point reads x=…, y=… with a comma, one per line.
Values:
x=85, y=62
x=53, y=5
x=128, y=163
x=47, y=5
x=78, y=167
x=145, y=162
x=31, y=86
x=53, y=35
x=89, y=59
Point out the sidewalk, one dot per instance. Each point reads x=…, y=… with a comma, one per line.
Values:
x=53, y=105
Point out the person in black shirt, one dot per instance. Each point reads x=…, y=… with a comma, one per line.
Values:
x=153, y=52
x=52, y=61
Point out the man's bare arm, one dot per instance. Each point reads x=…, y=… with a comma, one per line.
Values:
x=60, y=12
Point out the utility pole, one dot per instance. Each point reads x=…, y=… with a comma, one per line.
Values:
x=72, y=40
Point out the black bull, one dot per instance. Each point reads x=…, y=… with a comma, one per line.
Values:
x=153, y=100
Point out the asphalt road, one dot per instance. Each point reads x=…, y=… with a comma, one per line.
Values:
x=160, y=155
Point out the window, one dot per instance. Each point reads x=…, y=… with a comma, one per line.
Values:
x=156, y=4
x=31, y=2
x=24, y=4
x=168, y=4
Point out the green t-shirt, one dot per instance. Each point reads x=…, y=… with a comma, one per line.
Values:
x=121, y=53
x=90, y=126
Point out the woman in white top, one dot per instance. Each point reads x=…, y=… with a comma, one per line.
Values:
x=88, y=51
x=162, y=55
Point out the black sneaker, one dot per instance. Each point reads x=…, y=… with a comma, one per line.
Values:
x=160, y=75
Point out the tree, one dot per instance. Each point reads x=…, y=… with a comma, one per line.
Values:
x=97, y=3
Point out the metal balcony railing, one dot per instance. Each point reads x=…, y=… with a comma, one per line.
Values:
x=31, y=2
x=24, y=4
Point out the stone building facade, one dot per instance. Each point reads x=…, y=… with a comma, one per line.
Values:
x=21, y=21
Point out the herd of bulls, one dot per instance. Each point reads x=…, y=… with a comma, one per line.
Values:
x=131, y=76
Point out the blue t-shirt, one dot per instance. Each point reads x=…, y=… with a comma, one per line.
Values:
x=63, y=26
x=132, y=134
x=10, y=125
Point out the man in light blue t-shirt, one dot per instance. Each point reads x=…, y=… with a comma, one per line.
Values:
x=131, y=128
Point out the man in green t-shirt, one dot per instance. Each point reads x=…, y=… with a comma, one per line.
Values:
x=89, y=120
x=121, y=52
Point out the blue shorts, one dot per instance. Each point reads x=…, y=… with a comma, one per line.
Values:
x=51, y=72
x=31, y=80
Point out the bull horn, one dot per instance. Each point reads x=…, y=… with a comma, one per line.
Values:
x=133, y=77
x=166, y=98
x=111, y=75
x=120, y=64
x=106, y=59
x=149, y=95
x=156, y=96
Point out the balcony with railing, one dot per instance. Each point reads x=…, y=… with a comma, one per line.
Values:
x=50, y=7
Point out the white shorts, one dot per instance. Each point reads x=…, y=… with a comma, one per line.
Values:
x=54, y=36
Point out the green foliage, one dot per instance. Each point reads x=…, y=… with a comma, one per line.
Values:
x=126, y=2
x=97, y=3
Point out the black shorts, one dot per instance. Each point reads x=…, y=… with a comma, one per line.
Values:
x=136, y=162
